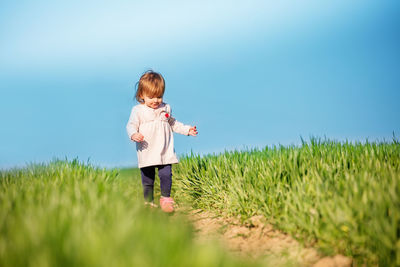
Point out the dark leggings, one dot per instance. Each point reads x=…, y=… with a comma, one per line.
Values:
x=148, y=176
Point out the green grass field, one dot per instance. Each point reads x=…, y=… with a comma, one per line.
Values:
x=340, y=197
x=71, y=214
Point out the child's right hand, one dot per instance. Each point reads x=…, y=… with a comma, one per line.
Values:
x=137, y=137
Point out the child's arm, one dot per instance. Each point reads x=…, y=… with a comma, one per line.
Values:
x=179, y=127
x=132, y=127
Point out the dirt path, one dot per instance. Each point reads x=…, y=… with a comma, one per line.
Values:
x=259, y=240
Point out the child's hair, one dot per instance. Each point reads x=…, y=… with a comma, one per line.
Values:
x=151, y=84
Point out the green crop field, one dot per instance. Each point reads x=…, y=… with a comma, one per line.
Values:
x=339, y=197
x=71, y=214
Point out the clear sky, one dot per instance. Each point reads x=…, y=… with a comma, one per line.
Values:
x=247, y=73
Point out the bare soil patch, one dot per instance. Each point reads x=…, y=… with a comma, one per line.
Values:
x=259, y=240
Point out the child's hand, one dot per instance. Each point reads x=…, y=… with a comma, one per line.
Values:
x=193, y=131
x=137, y=137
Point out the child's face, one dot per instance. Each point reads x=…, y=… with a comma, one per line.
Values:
x=152, y=102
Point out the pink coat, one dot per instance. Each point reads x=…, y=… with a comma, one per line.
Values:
x=156, y=125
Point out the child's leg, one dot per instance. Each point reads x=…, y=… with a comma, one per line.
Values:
x=148, y=175
x=165, y=174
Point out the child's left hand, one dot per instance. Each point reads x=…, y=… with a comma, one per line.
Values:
x=193, y=131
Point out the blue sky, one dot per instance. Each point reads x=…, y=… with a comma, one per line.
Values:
x=247, y=73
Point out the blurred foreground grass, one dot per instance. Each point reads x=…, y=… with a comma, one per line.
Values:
x=71, y=214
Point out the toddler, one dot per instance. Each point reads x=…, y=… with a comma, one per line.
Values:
x=151, y=125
